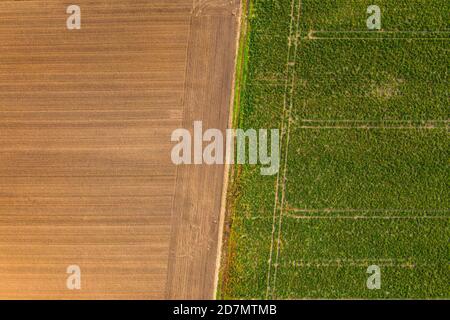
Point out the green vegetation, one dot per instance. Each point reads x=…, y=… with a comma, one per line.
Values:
x=365, y=167
x=397, y=15
x=328, y=258
x=372, y=80
x=389, y=169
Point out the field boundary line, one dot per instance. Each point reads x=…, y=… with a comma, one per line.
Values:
x=368, y=38
x=372, y=121
x=289, y=120
x=388, y=124
x=374, y=32
x=299, y=217
x=362, y=264
x=373, y=127
x=312, y=37
x=379, y=32
x=277, y=186
x=364, y=210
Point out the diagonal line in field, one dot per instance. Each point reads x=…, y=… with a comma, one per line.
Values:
x=277, y=186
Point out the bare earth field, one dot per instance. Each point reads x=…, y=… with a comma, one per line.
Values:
x=85, y=122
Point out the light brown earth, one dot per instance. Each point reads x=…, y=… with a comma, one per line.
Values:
x=85, y=122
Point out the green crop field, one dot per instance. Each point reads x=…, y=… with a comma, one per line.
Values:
x=364, y=175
